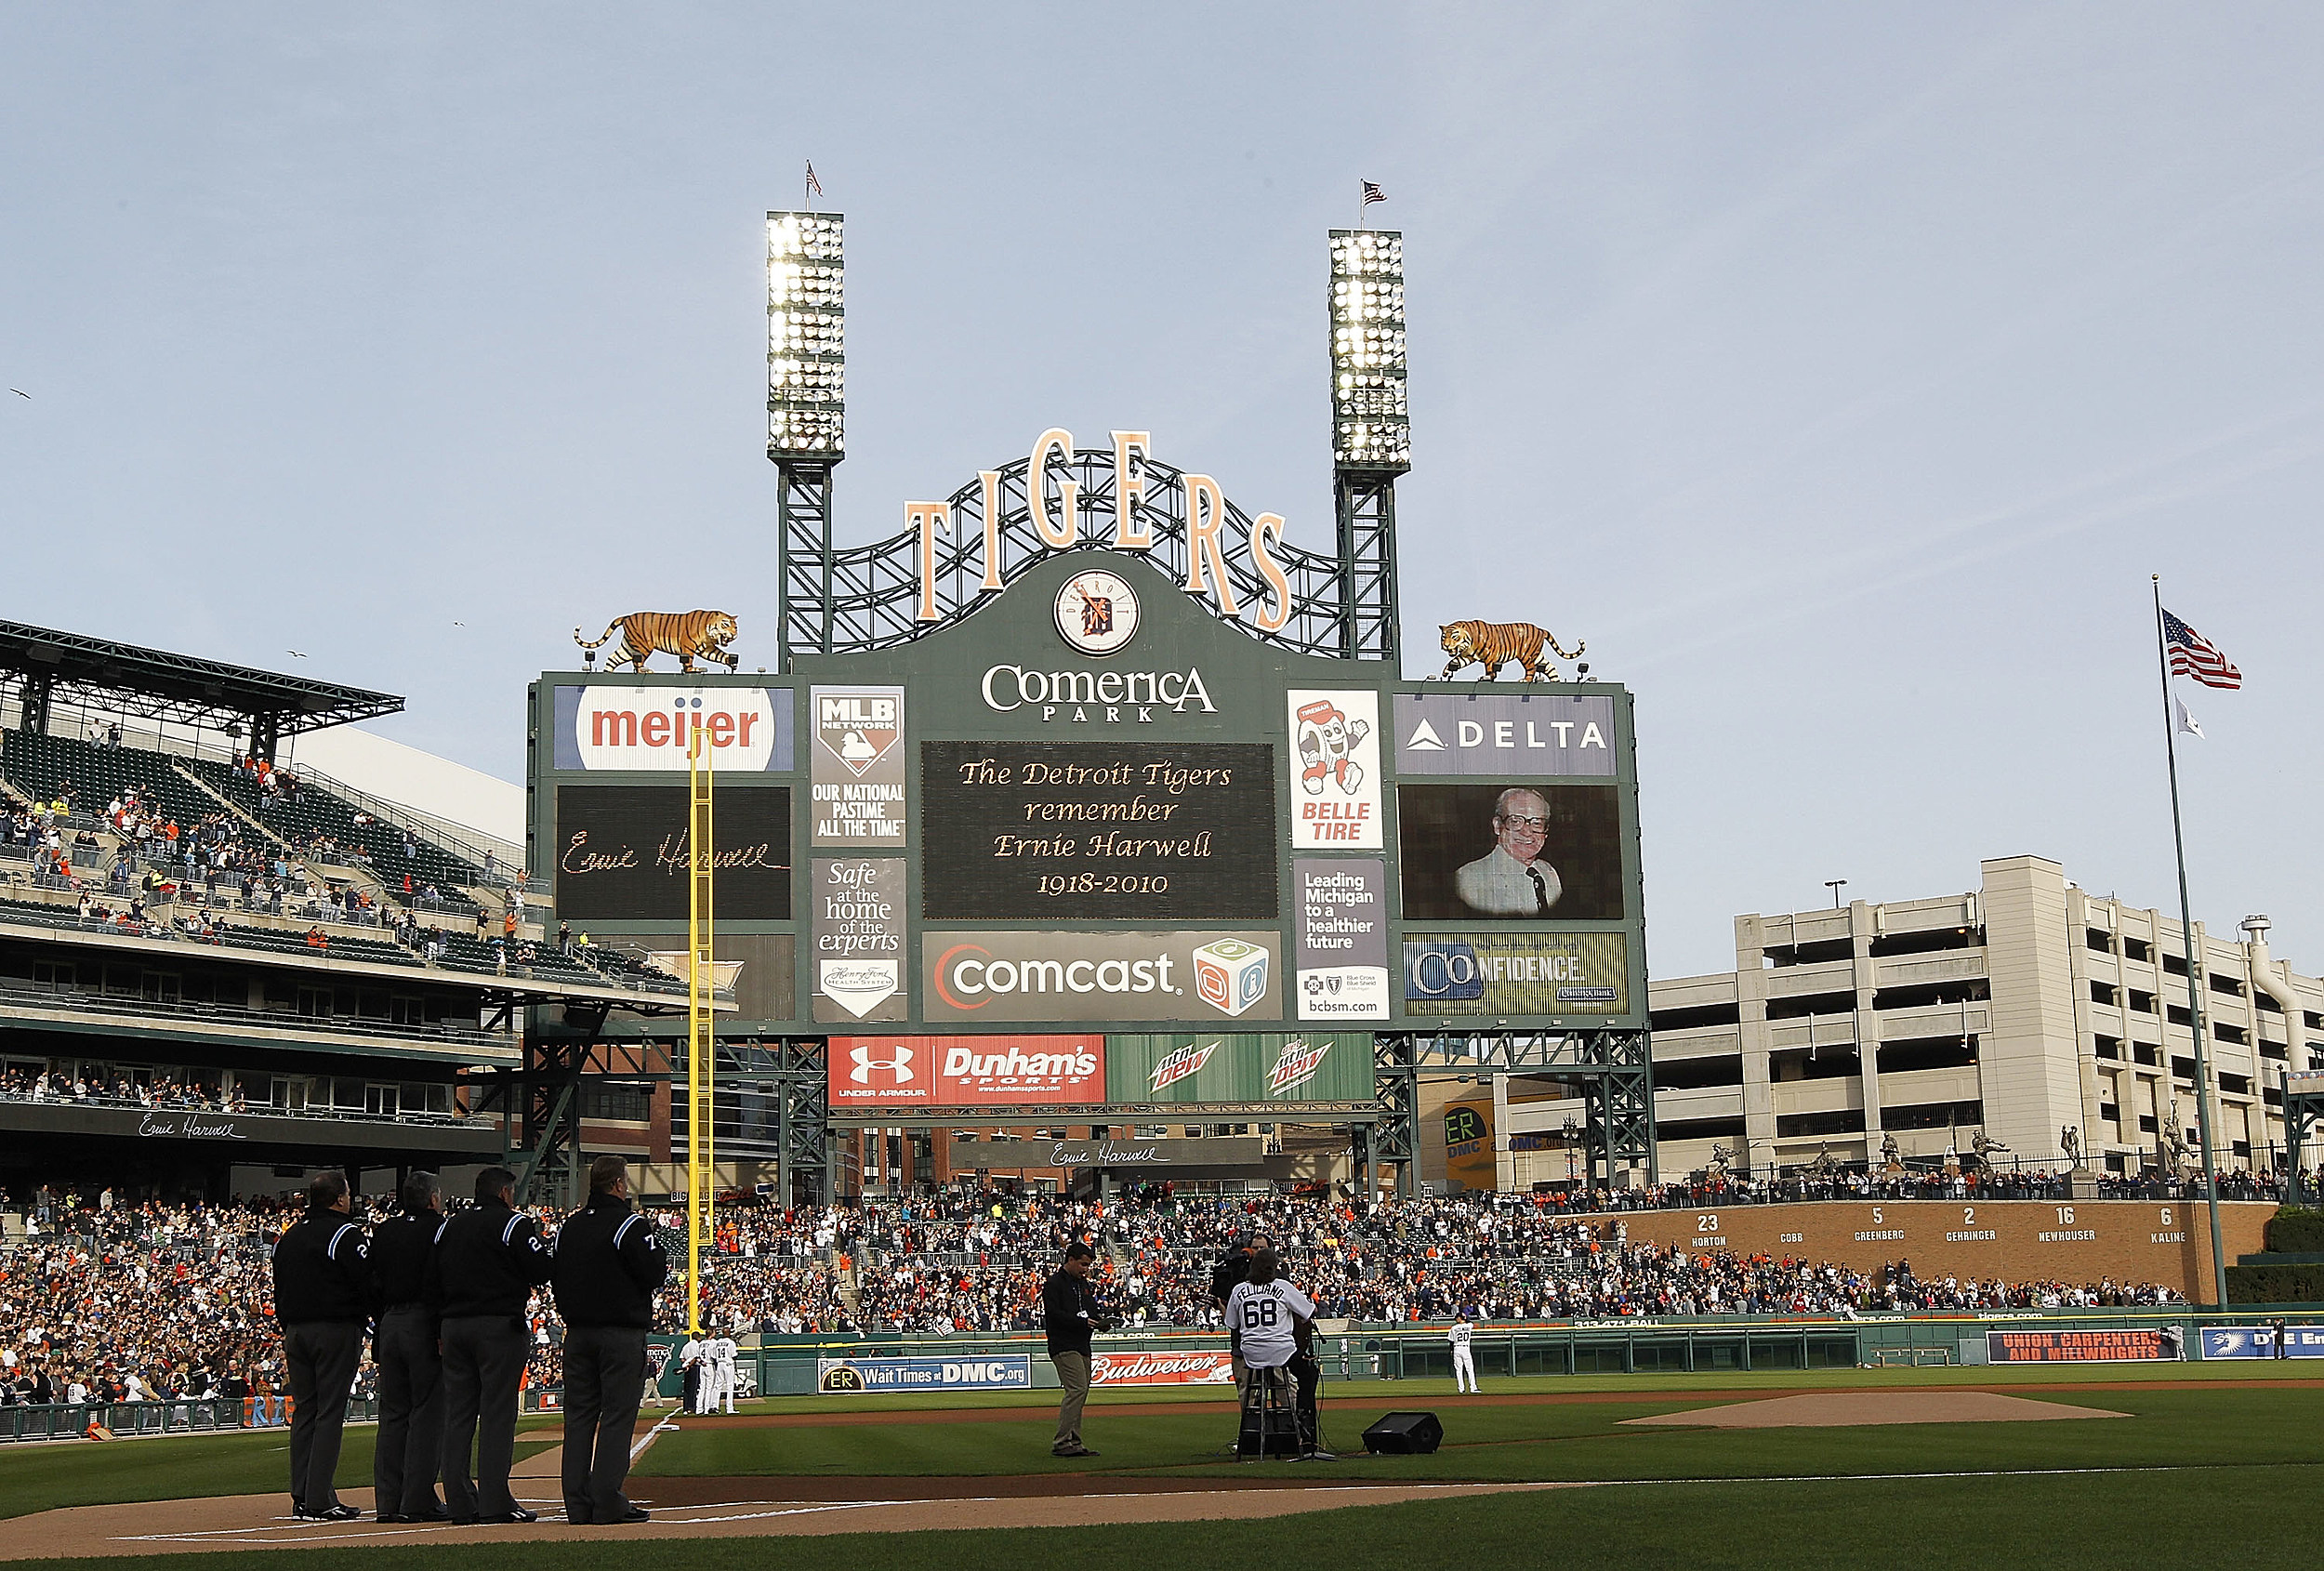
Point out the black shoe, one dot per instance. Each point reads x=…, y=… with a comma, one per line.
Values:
x=576, y=1519
x=438, y=1514
x=387, y=1516
x=635, y=1513
x=520, y=1514
x=332, y=1513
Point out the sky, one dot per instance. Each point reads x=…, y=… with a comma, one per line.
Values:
x=1841, y=373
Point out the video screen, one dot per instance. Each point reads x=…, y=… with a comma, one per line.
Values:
x=1510, y=852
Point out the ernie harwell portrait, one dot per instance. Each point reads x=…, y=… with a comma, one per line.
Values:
x=1510, y=852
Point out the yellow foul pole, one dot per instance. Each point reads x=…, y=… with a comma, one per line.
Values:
x=700, y=940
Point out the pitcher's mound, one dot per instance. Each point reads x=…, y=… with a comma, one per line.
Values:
x=1839, y=1408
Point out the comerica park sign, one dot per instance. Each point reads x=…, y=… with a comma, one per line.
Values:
x=1097, y=813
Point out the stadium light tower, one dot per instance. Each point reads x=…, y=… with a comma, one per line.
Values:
x=806, y=402
x=1371, y=438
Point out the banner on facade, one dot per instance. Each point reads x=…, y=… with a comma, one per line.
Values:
x=1000, y=1371
x=2082, y=1347
x=1162, y=1368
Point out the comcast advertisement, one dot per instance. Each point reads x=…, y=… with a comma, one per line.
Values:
x=1270, y=1066
x=993, y=975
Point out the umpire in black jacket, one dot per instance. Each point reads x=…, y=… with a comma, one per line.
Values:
x=322, y=1285
x=490, y=1259
x=610, y=1263
x=409, y=1294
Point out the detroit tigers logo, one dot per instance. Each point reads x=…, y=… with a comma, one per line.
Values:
x=899, y=1067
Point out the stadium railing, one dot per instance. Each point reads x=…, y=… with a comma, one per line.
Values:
x=71, y=1420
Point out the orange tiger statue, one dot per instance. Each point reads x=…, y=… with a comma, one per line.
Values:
x=1494, y=645
x=690, y=635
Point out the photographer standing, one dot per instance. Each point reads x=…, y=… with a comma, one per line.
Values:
x=1069, y=1314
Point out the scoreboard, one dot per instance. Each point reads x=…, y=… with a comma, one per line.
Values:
x=1091, y=804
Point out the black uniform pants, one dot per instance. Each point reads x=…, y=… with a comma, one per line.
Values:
x=322, y=1359
x=410, y=1443
x=484, y=1360
x=604, y=1383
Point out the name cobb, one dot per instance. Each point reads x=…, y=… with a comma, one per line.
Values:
x=1010, y=687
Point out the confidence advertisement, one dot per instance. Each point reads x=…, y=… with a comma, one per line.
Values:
x=2082, y=1347
x=856, y=750
x=1211, y=1368
x=1512, y=733
x=1335, y=755
x=1517, y=973
x=1098, y=831
x=1519, y=852
x=1309, y=1066
x=965, y=1071
x=989, y=975
x=621, y=853
x=857, y=914
x=997, y=1371
x=1342, y=944
x=602, y=726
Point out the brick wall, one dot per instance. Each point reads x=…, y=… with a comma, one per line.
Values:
x=2076, y=1242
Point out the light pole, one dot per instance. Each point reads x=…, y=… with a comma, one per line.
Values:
x=1835, y=885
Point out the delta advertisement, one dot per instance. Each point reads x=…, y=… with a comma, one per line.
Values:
x=1216, y=1367
x=604, y=726
x=1517, y=973
x=965, y=1071
x=1547, y=734
x=1000, y=1371
x=1303, y=1067
x=993, y=975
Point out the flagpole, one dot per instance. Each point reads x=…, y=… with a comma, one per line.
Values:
x=2194, y=972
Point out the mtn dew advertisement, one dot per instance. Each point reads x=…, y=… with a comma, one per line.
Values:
x=1218, y=1067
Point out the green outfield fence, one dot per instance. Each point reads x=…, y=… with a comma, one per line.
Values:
x=789, y=1366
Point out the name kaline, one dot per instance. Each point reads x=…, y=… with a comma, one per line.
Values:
x=1077, y=693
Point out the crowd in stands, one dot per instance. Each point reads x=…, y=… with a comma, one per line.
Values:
x=174, y=1300
x=164, y=1092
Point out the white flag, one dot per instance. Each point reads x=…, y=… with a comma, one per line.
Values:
x=2186, y=721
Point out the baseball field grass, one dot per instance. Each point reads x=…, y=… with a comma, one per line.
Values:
x=2213, y=1466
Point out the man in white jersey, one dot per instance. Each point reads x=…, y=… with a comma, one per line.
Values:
x=1464, y=1360
x=1267, y=1321
x=722, y=1352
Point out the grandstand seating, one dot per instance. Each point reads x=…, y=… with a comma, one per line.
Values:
x=315, y=811
x=343, y=945
x=42, y=764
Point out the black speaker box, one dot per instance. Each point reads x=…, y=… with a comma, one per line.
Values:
x=1405, y=1434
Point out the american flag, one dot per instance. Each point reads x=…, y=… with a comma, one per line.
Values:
x=2192, y=655
x=1371, y=193
x=814, y=186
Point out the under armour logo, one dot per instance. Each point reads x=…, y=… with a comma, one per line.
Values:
x=900, y=1066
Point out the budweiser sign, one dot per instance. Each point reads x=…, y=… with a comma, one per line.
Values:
x=1295, y=1067
x=1207, y=1367
x=1182, y=1063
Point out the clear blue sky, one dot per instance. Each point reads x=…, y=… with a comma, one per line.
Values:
x=1839, y=372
